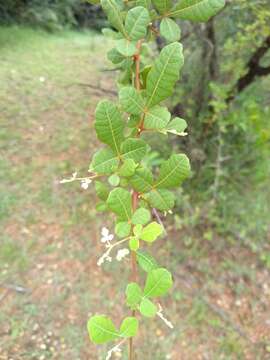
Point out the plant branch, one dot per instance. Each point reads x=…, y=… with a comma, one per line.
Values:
x=135, y=195
x=96, y=88
x=254, y=69
x=110, y=248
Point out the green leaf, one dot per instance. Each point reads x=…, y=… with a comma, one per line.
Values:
x=131, y=100
x=134, y=244
x=102, y=190
x=128, y=168
x=124, y=182
x=109, y=125
x=126, y=75
x=177, y=126
x=94, y=2
x=101, y=206
x=170, y=30
x=146, y=261
x=173, y=171
x=196, y=10
x=164, y=74
x=161, y=199
x=144, y=74
x=109, y=33
x=137, y=230
x=157, y=118
x=141, y=216
x=122, y=229
x=142, y=181
x=133, y=121
x=133, y=149
x=114, y=180
x=113, y=12
x=104, y=162
x=136, y=23
x=151, y=232
x=129, y=327
x=101, y=329
x=133, y=295
x=158, y=282
x=144, y=3
x=163, y=5
x=119, y=201
x=148, y=308
x=115, y=57
x=126, y=47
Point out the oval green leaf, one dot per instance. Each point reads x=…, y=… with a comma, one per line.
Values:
x=101, y=329
x=158, y=283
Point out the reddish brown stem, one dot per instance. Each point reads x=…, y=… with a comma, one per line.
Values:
x=135, y=198
x=137, y=59
x=135, y=195
x=134, y=273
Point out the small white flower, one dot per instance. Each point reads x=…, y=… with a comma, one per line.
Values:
x=121, y=254
x=100, y=261
x=42, y=79
x=110, y=237
x=104, y=231
x=85, y=183
x=106, y=236
x=104, y=257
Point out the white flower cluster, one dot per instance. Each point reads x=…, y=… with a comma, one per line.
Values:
x=103, y=258
x=85, y=183
x=107, y=238
x=121, y=254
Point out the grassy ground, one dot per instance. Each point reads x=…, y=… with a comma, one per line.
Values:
x=49, y=280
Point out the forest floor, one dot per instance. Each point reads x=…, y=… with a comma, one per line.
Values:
x=49, y=281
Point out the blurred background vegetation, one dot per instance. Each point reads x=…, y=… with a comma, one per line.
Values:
x=52, y=15
x=50, y=82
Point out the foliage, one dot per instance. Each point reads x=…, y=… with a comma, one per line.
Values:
x=52, y=15
x=229, y=146
x=134, y=188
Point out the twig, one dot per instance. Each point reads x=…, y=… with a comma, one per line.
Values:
x=95, y=87
x=156, y=214
x=135, y=197
x=17, y=288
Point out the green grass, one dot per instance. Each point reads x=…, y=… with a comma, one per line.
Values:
x=45, y=135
